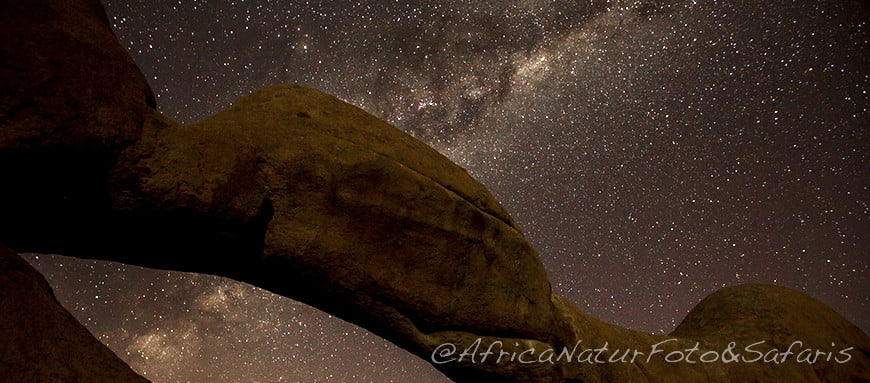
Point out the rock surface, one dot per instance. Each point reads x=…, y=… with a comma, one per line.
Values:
x=295, y=191
x=348, y=202
x=42, y=341
x=779, y=316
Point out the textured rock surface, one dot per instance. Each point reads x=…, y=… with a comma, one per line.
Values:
x=40, y=341
x=295, y=191
x=350, y=201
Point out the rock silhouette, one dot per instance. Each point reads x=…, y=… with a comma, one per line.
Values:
x=295, y=191
x=42, y=342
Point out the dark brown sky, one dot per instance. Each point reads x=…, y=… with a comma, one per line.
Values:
x=653, y=152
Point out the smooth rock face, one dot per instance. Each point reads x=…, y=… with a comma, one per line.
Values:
x=780, y=316
x=40, y=341
x=295, y=191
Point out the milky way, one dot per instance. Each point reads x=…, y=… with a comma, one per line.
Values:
x=652, y=151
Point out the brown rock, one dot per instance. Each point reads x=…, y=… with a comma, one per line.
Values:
x=41, y=341
x=298, y=192
x=352, y=200
x=780, y=316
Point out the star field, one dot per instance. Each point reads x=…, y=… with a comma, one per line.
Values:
x=652, y=151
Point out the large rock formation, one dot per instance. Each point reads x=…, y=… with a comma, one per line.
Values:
x=295, y=191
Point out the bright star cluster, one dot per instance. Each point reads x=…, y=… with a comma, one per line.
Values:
x=652, y=151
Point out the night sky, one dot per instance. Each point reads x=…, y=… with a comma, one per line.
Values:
x=652, y=151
